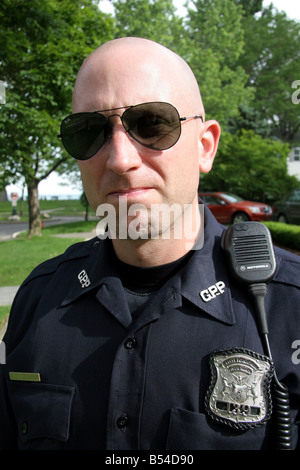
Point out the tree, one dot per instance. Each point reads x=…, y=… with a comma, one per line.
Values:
x=42, y=46
x=249, y=118
x=216, y=40
x=250, y=166
x=244, y=62
x=85, y=203
x=271, y=59
x=250, y=7
x=150, y=19
x=210, y=39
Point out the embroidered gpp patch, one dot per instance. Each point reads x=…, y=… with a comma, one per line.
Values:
x=84, y=279
x=213, y=291
x=239, y=393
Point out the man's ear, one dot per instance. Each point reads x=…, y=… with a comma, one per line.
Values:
x=208, y=144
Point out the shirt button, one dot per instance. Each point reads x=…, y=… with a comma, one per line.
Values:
x=24, y=427
x=130, y=343
x=122, y=422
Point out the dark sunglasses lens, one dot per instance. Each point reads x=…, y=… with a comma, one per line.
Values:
x=154, y=125
x=83, y=134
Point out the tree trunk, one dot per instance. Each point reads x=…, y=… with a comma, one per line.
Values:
x=22, y=200
x=34, y=209
x=86, y=211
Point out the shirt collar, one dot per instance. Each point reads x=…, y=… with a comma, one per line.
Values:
x=93, y=271
x=203, y=281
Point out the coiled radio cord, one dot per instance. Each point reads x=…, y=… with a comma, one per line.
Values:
x=281, y=400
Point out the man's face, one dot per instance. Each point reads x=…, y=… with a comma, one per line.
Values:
x=123, y=168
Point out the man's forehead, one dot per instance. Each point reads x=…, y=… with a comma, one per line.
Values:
x=129, y=54
x=138, y=61
x=131, y=45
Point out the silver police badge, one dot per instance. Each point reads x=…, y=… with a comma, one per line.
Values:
x=239, y=393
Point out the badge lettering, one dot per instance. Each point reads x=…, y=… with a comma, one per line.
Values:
x=239, y=393
x=84, y=279
x=212, y=291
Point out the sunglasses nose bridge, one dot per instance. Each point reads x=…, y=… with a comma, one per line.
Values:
x=115, y=115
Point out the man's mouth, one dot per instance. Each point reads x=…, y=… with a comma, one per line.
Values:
x=130, y=192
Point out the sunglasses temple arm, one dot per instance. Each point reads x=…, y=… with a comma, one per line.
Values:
x=191, y=117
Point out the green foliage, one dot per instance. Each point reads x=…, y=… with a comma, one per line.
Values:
x=216, y=44
x=271, y=60
x=245, y=64
x=150, y=19
x=250, y=166
x=249, y=118
x=42, y=46
x=19, y=257
x=250, y=7
x=285, y=235
x=210, y=39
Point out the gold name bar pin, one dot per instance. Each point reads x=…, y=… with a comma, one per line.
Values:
x=25, y=376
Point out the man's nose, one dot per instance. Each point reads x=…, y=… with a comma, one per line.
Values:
x=122, y=153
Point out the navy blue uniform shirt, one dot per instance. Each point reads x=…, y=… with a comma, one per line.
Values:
x=110, y=382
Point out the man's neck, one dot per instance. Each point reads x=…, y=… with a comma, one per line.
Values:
x=150, y=252
x=162, y=250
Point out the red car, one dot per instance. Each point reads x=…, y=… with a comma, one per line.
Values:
x=230, y=209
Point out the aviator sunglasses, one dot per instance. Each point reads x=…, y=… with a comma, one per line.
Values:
x=155, y=125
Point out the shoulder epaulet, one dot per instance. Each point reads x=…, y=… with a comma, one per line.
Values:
x=75, y=251
x=288, y=268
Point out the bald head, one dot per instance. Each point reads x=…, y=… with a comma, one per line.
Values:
x=128, y=71
x=124, y=73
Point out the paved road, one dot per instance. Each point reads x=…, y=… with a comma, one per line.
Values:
x=9, y=229
x=7, y=295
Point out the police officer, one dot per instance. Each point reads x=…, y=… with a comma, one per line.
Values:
x=141, y=338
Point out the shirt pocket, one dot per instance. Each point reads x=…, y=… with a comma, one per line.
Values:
x=189, y=430
x=42, y=413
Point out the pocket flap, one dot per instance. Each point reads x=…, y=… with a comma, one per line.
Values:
x=41, y=410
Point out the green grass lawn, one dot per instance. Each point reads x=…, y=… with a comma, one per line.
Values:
x=20, y=256
x=72, y=227
x=55, y=207
x=286, y=235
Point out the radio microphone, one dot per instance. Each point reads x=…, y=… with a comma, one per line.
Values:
x=249, y=250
